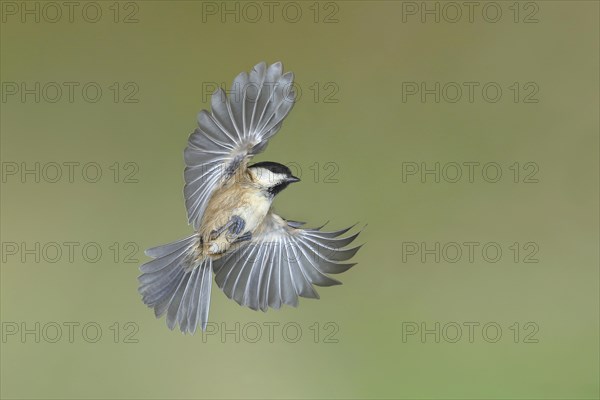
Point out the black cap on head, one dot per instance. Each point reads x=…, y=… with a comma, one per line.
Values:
x=274, y=167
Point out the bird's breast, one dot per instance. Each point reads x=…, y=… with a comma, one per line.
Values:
x=249, y=204
x=254, y=210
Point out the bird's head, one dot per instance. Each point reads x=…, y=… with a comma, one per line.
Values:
x=272, y=177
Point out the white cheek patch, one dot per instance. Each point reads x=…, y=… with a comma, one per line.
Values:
x=267, y=178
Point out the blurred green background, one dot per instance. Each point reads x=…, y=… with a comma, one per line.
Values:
x=350, y=60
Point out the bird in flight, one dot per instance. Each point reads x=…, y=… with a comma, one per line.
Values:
x=258, y=258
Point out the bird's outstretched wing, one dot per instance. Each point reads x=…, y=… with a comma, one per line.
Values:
x=282, y=262
x=238, y=126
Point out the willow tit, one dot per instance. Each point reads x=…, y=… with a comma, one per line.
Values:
x=259, y=259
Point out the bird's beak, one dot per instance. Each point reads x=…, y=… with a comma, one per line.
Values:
x=293, y=179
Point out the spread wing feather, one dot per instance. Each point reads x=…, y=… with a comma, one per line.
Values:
x=281, y=263
x=238, y=127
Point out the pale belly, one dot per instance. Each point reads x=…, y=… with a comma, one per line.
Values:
x=251, y=206
x=253, y=212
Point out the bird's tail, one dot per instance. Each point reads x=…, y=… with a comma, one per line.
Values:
x=178, y=283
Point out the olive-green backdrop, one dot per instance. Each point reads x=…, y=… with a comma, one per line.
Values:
x=470, y=284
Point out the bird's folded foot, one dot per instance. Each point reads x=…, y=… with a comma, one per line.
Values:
x=246, y=236
x=234, y=227
x=237, y=225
